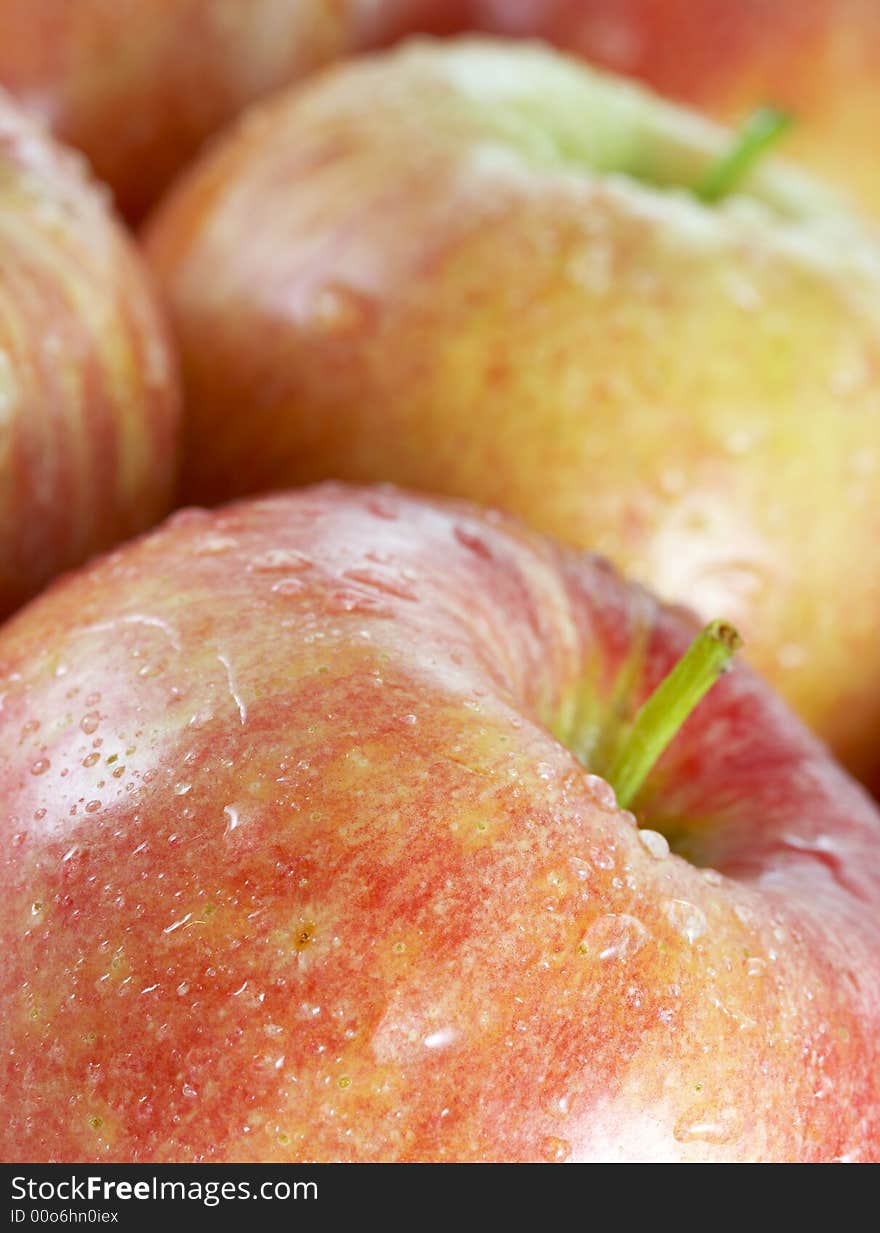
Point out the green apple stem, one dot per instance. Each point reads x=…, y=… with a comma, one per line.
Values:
x=661, y=717
x=762, y=129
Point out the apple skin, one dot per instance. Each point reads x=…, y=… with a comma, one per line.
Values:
x=297, y=863
x=408, y=272
x=89, y=398
x=818, y=58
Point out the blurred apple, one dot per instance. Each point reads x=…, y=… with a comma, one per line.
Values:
x=304, y=856
x=478, y=269
x=88, y=393
x=820, y=58
x=138, y=85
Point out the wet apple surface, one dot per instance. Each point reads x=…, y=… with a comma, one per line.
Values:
x=306, y=855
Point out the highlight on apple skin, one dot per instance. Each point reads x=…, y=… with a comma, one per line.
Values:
x=89, y=399
x=305, y=856
x=482, y=270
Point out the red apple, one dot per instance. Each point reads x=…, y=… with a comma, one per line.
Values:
x=481, y=269
x=88, y=392
x=820, y=58
x=305, y=856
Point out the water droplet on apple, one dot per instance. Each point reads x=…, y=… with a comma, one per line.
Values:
x=686, y=918
x=601, y=791
x=656, y=844
x=706, y=1124
x=280, y=560
x=555, y=1150
x=601, y=858
x=90, y=723
x=389, y=583
x=287, y=587
x=153, y=669
x=234, y=820
x=40, y=766
x=215, y=545
x=440, y=1039
x=356, y=603
x=756, y=966
x=614, y=936
x=744, y=915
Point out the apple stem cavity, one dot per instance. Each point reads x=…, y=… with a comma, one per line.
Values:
x=761, y=130
x=662, y=715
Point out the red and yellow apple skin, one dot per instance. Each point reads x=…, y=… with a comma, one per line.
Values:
x=818, y=58
x=89, y=402
x=474, y=269
x=298, y=863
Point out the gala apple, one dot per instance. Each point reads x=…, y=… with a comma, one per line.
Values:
x=307, y=855
x=88, y=392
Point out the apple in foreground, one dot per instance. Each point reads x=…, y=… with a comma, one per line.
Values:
x=820, y=58
x=88, y=391
x=482, y=270
x=307, y=854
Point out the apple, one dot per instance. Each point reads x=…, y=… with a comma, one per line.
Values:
x=88, y=390
x=309, y=852
x=820, y=58
x=138, y=85
x=482, y=270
